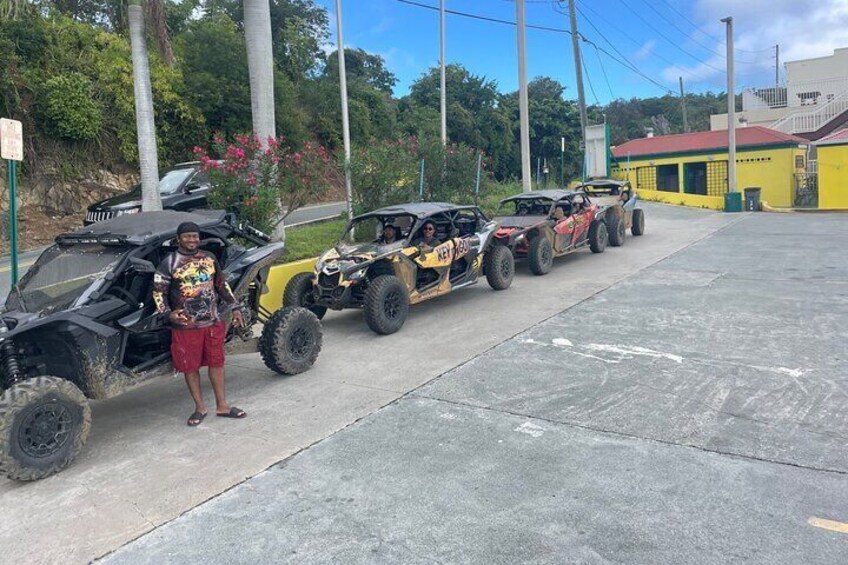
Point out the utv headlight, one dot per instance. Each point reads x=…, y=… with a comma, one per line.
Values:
x=357, y=275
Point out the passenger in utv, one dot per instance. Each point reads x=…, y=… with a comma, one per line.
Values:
x=427, y=240
x=187, y=286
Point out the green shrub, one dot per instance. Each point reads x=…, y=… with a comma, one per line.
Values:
x=68, y=108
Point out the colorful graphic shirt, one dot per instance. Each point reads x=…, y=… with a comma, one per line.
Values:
x=190, y=286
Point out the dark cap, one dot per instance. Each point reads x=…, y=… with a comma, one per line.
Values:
x=187, y=227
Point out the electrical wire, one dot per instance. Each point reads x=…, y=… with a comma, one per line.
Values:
x=604, y=71
x=588, y=78
x=713, y=37
x=692, y=39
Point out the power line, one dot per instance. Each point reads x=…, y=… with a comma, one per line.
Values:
x=604, y=71
x=588, y=78
x=713, y=37
x=692, y=39
x=670, y=41
x=627, y=64
x=483, y=18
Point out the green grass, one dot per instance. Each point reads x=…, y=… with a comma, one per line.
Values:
x=311, y=240
x=489, y=202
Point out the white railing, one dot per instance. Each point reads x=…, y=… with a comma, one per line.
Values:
x=794, y=94
x=811, y=120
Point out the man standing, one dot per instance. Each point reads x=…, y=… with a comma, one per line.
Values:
x=187, y=286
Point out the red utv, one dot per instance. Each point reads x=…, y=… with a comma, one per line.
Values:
x=544, y=224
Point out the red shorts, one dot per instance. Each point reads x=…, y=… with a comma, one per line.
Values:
x=194, y=348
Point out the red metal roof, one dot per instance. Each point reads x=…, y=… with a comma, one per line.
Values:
x=750, y=136
x=836, y=138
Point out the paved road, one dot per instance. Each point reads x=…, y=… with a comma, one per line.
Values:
x=302, y=216
x=695, y=411
x=142, y=467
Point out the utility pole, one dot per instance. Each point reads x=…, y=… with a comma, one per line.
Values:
x=731, y=111
x=444, y=103
x=524, y=112
x=581, y=98
x=683, y=104
x=777, y=65
x=345, y=120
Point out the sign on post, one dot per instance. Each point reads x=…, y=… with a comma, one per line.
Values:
x=11, y=140
x=12, y=149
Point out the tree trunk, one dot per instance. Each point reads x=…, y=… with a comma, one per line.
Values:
x=159, y=29
x=260, y=65
x=147, y=156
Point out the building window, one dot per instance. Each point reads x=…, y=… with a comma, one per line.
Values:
x=695, y=178
x=668, y=179
x=646, y=178
x=716, y=178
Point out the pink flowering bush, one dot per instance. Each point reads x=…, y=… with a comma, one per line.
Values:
x=264, y=184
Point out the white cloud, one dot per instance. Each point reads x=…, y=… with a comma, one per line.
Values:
x=645, y=51
x=803, y=29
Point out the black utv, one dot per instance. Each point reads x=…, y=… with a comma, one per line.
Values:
x=81, y=325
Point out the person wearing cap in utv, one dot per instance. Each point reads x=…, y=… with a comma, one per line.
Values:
x=389, y=234
x=187, y=287
x=427, y=239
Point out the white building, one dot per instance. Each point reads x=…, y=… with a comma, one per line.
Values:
x=812, y=104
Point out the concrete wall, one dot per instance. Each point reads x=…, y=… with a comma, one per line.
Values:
x=761, y=117
x=771, y=169
x=833, y=177
x=820, y=68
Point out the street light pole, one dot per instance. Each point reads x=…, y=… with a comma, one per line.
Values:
x=442, y=64
x=345, y=120
x=524, y=112
x=731, y=111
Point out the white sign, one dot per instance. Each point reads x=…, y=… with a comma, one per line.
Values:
x=11, y=140
x=597, y=146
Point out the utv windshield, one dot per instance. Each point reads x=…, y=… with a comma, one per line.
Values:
x=61, y=275
x=380, y=230
x=525, y=207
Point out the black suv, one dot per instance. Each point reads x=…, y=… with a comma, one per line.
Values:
x=183, y=188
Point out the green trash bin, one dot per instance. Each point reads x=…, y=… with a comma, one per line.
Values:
x=752, y=198
x=733, y=202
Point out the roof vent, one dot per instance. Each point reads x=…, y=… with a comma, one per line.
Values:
x=649, y=132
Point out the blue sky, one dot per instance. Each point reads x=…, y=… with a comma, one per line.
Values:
x=663, y=39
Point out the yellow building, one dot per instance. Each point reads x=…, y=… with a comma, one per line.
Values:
x=833, y=170
x=691, y=168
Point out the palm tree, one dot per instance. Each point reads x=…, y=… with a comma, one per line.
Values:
x=147, y=156
x=155, y=16
x=260, y=65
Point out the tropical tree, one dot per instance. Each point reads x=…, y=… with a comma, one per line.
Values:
x=147, y=155
x=260, y=65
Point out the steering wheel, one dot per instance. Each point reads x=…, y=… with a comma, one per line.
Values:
x=124, y=295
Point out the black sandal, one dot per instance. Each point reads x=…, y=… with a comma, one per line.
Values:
x=233, y=413
x=196, y=418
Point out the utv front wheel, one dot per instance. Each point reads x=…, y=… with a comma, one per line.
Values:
x=540, y=255
x=638, y=227
x=598, y=236
x=616, y=232
x=386, y=304
x=299, y=293
x=290, y=341
x=500, y=267
x=44, y=423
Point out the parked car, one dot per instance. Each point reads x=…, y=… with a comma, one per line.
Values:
x=621, y=198
x=81, y=325
x=363, y=270
x=544, y=224
x=183, y=188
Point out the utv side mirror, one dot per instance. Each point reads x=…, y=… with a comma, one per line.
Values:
x=140, y=265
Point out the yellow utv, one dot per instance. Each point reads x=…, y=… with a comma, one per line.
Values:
x=401, y=255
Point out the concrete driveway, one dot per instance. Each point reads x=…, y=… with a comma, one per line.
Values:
x=635, y=406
